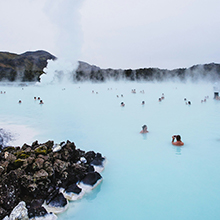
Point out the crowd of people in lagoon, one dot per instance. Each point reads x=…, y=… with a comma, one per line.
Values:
x=35, y=98
x=19, y=101
x=144, y=130
x=176, y=139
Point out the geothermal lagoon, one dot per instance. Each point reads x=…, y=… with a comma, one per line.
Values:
x=145, y=176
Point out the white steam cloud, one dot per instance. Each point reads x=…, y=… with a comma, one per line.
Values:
x=65, y=16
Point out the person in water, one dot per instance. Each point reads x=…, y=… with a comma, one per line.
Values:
x=178, y=140
x=122, y=104
x=144, y=129
x=217, y=97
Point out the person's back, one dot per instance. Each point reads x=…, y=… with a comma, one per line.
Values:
x=178, y=140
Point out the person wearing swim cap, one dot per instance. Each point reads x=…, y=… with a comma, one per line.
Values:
x=144, y=129
x=178, y=141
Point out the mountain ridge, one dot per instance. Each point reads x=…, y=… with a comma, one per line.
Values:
x=29, y=66
x=87, y=72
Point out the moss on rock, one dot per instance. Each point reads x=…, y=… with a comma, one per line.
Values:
x=22, y=154
x=18, y=163
x=41, y=150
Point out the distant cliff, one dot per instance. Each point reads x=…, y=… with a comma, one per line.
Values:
x=24, y=67
x=87, y=72
x=29, y=67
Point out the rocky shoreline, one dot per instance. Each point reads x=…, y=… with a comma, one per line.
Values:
x=37, y=181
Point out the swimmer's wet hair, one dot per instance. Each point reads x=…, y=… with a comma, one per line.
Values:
x=178, y=137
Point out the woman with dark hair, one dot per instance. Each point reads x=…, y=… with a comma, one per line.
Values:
x=178, y=140
x=144, y=129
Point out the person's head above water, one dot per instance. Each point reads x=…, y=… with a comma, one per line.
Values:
x=144, y=129
x=178, y=140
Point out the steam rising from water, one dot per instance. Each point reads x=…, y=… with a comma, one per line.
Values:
x=66, y=17
x=59, y=71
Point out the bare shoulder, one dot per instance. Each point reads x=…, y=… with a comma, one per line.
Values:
x=178, y=143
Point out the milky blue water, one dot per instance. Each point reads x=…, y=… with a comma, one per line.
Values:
x=146, y=177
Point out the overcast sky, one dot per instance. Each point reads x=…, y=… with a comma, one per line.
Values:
x=115, y=33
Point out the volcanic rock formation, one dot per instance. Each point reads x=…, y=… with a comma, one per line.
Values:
x=35, y=174
x=24, y=67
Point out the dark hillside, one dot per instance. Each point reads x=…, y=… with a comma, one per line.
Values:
x=24, y=67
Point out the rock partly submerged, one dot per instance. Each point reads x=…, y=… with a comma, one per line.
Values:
x=40, y=179
x=90, y=181
x=72, y=192
x=19, y=212
x=57, y=204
